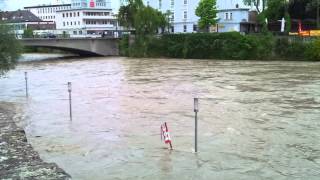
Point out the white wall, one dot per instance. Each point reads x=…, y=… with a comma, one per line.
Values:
x=228, y=23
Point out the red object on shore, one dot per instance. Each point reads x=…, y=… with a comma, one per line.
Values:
x=165, y=135
x=300, y=26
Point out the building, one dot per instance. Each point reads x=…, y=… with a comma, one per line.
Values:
x=87, y=18
x=234, y=15
x=47, y=12
x=21, y=20
x=183, y=19
x=99, y=4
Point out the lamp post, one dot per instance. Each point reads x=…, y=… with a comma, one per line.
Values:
x=70, y=100
x=318, y=14
x=196, y=110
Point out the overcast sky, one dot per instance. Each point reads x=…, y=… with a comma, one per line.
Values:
x=10, y=5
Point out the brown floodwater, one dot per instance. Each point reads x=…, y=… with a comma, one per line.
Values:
x=257, y=120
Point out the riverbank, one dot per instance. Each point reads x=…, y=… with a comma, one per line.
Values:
x=231, y=46
x=18, y=160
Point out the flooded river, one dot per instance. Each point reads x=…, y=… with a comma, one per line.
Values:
x=257, y=120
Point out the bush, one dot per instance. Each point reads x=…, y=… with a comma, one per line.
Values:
x=124, y=46
x=290, y=49
x=10, y=49
x=232, y=45
x=313, y=50
x=216, y=46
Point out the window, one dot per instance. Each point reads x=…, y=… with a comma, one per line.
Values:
x=67, y=23
x=67, y=14
x=64, y=23
x=78, y=22
x=172, y=29
x=71, y=23
x=184, y=14
x=227, y=16
x=80, y=32
x=237, y=6
x=195, y=28
x=62, y=14
x=185, y=2
x=78, y=14
x=230, y=16
x=74, y=14
x=75, y=32
x=172, y=4
x=70, y=14
x=184, y=28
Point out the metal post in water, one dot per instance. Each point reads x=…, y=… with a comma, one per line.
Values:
x=70, y=99
x=196, y=110
x=26, y=80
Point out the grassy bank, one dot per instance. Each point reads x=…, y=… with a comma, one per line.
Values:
x=231, y=45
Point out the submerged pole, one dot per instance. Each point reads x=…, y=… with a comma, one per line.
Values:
x=70, y=100
x=26, y=81
x=196, y=110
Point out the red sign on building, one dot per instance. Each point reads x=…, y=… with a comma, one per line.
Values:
x=92, y=4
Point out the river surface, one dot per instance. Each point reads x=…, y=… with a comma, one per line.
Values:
x=257, y=120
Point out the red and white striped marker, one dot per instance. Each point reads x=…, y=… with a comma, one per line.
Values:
x=165, y=135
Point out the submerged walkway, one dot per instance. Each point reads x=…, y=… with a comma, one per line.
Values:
x=18, y=160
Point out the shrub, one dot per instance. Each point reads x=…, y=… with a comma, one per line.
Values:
x=313, y=50
x=290, y=49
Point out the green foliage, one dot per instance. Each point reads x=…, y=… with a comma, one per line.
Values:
x=257, y=4
x=205, y=46
x=313, y=51
x=10, y=49
x=286, y=48
x=207, y=11
x=232, y=45
x=275, y=10
x=28, y=33
x=148, y=20
x=124, y=46
x=126, y=13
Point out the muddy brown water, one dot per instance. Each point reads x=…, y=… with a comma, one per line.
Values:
x=257, y=120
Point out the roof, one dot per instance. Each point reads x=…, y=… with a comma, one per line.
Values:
x=238, y=9
x=84, y=9
x=18, y=16
x=43, y=6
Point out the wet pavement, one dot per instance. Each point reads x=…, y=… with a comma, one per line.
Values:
x=257, y=120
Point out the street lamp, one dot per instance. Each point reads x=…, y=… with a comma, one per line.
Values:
x=196, y=110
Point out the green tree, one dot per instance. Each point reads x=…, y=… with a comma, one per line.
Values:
x=10, y=49
x=260, y=5
x=207, y=11
x=28, y=33
x=127, y=12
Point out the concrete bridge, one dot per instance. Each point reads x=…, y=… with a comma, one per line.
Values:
x=81, y=46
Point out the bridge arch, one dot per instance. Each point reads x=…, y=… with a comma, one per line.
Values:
x=83, y=46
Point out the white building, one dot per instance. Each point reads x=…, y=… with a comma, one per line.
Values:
x=47, y=12
x=183, y=18
x=231, y=13
x=87, y=18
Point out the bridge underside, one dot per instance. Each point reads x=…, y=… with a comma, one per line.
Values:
x=70, y=50
x=83, y=47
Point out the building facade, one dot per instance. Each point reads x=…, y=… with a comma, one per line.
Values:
x=47, y=12
x=87, y=18
x=86, y=22
x=22, y=20
x=184, y=20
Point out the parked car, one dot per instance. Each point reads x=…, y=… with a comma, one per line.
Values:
x=48, y=35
